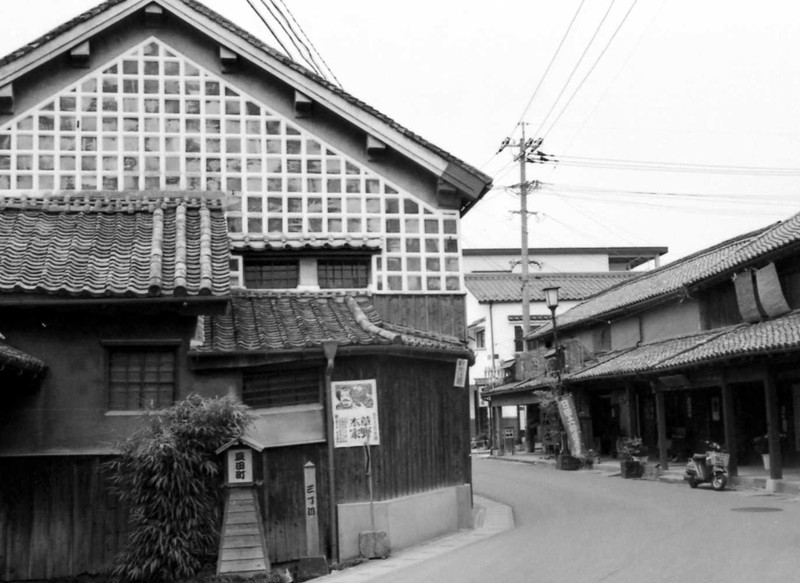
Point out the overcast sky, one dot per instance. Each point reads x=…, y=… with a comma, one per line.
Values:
x=683, y=83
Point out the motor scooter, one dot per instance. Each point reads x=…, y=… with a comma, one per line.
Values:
x=711, y=466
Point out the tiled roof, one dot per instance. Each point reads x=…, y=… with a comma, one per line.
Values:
x=259, y=321
x=260, y=242
x=114, y=246
x=247, y=37
x=18, y=360
x=643, y=358
x=770, y=337
x=505, y=287
x=725, y=258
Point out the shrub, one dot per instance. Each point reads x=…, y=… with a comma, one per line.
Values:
x=168, y=474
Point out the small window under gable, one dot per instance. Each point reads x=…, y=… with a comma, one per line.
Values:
x=349, y=273
x=266, y=273
x=282, y=388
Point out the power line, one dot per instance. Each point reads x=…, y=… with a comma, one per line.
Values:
x=311, y=44
x=550, y=64
x=293, y=36
x=652, y=165
x=589, y=72
x=269, y=28
x=542, y=78
x=575, y=68
x=619, y=72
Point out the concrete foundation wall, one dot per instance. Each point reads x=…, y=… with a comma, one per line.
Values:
x=408, y=520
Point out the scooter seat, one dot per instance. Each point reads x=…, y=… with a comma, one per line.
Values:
x=699, y=457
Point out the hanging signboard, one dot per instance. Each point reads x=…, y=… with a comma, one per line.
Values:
x=240, y=466
x=354, y=405
x=569, y=418
x=461, y=373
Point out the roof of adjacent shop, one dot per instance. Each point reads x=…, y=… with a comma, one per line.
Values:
x=260, y=322
x=674, y=279
x=506, y=287
x=114, y=246
x=768, y=338
x=18, y=360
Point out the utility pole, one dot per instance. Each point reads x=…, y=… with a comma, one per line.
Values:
x=526, y=148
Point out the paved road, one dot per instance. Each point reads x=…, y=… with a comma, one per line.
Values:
x=576, y=527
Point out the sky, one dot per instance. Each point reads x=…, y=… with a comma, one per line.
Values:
x=675, y=123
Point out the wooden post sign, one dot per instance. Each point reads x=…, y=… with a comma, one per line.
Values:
x=312, y=520
x=461, y=373
x=243, y=544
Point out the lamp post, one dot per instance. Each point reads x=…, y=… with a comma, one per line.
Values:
x=551, y=299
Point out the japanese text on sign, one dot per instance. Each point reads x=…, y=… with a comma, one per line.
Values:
x=354, y=406
x=240, y=466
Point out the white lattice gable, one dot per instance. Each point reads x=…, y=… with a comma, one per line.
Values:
x=154, y=120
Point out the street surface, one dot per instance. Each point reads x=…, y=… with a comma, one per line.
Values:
x=586, y=527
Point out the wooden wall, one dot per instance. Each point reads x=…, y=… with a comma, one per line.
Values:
x=424, y=434
x=57, y=518
x=443, y=314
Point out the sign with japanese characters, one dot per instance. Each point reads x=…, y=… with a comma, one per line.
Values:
x=312, y=510
x=569, y=418
x=461, y=372
x=240, y=466
x=355, y=413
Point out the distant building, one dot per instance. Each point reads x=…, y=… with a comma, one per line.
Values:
x=494, y=306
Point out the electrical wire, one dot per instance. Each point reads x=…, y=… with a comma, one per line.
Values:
x=717, y=197
x=550, y=64
x=312, y=65
x=293, y=36
x=574, y=69
x=651, y=165
x=542, y=78
x=269, y=28
x=311, y=44
x=589, y=72
x=645, y=30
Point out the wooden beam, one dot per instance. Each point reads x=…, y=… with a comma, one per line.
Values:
x=79, y=55
x=661, y=423
x=376, y=149
x=303, y=105
x=729, y=424
x=7, y=98
x=773, y=426
x=153, y=15
x=228, y=59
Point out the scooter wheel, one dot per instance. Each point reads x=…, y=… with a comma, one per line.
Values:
x=719, y=482
x=693, y=482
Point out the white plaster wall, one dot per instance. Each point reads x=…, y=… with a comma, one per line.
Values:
x=408, y=520
x=549, y=263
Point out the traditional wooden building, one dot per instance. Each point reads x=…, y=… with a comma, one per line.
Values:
x=328, y=273
x=704, y=348
x=494, y=309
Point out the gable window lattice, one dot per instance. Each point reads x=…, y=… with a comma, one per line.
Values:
x=282, y=388
x=271, y=274
x=141, y=378
x=343, y=273
x=154, y=120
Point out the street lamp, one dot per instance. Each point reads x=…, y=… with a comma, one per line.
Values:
x=551, y=299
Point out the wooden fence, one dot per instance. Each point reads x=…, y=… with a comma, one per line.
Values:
x=57, y=518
